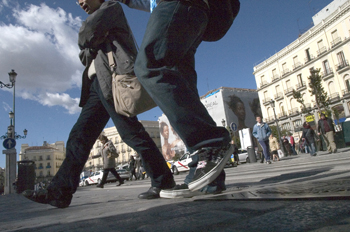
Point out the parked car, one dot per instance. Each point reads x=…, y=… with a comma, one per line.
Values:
x=181, y=165
x=123, y=173
x=243, y=156
x=96, y=177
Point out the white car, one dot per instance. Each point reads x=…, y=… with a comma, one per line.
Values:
x=96, y=177
x=243, y=156
x=181, y=165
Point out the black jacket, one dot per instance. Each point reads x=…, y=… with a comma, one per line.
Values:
x=321, y=125
x=108, y=19
x=309, y=135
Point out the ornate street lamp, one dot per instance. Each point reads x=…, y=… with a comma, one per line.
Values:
x=272, y=104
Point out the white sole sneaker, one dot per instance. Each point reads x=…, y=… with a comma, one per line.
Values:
x=208, y=170
x=180, y=193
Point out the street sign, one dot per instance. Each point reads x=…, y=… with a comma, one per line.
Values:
x=233, y=126
x=9, y=143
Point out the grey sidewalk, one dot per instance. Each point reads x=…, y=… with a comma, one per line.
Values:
x=316, y=201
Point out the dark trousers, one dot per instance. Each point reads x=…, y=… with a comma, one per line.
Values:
x=92, y=119
x=165, y=67
x=105, y=175
x=266, y=149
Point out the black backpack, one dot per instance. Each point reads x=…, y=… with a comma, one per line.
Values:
x=221, y=17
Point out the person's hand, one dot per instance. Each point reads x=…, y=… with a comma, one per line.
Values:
x=318, y=133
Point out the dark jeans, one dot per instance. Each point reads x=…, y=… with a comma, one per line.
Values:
x=166, y=68
x=92, y=119
x=266, y=149
x=105, y=175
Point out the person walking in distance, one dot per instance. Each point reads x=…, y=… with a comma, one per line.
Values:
x=132, y=167
x=105, y=29
x=308, y=137
x=274, y=147
x=108, y=154
x=262, y=131
x=165, y=66
x=326, y=129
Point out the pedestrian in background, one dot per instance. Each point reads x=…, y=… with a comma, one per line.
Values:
x=262, y=132
x=274, y=147
x=292, y=143
x=326, y=129
x=308, y=137
x=108, y=153
x=287, y=145
x=132, y=167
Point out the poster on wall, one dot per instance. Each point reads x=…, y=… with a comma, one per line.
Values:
x=229, y=106
x=170, y=140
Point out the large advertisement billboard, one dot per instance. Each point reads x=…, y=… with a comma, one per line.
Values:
x=225, y=106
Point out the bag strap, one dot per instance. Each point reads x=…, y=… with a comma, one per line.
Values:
x=111, y=61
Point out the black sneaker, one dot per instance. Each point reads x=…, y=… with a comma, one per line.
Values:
x=211, y=162
x=100, y=186
x=43, y=196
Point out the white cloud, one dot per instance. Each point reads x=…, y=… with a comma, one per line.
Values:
x=6, y=107
x=41, y=46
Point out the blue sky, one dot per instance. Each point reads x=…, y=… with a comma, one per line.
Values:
x=38, y=40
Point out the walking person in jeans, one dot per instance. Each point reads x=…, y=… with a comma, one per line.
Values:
x=106, y=151
x=165, y=66
x=262, y=132
x=105, y=27
x=326, y=128
x=308, y=137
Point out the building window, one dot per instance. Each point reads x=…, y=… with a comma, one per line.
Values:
x=288, y=84
x=341, y=58
x=48, y=157
x=331, y=87
x=300, y=80
x=40, y=158
x=40, y=166
x=274, y=73
x=327, y=69
x=308, y=56
x=347, y=83
x=334, y=35
x=48, y=165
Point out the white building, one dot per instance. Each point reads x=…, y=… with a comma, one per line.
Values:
x=48, y=158
x=152, y=128
x=325, y=46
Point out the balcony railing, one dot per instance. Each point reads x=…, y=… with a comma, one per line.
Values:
x=296, y=65
x=327, y=73
x=285, y=72
x=308, y=59
x=289, y=90
x=283, y=114
x=346, y=93
x=278, y=95
x=266, y=101
x=294, y=111
x=321, y=51
x=336, y=41
x=275, y=77
x=334, y=96
x=263, y=83
x=342, y=65
x=301, y=85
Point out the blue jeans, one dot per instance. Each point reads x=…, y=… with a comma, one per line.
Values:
x=312, y=148
x=92, y=119
x=266, y=149
x=165, y=67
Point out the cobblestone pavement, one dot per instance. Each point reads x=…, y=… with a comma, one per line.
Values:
x=296, y=194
